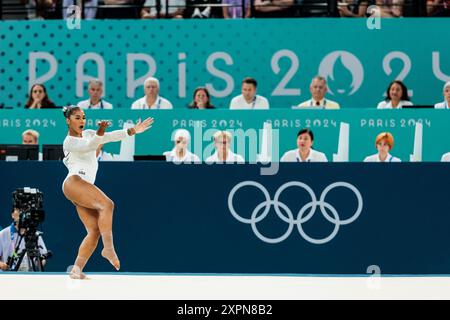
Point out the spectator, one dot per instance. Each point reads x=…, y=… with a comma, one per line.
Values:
x=274, y=8
x=151, y=100
x=233, y=9
x=351, y=8
x=396, y=96
x=249, y=99
x=438, y=8
x=175, y=10
x=120, y=9
x=384, y=143
x=318, y=89
x=446, y=103
x=304, y=151
x=90, y=8
x=95, y=101
x=388, y=8
x=9, y=241
x=38, y=98
x=223, y=154
x=180, y=153
x=201, y=99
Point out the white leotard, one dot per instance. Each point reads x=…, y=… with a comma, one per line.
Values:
x=80, y=153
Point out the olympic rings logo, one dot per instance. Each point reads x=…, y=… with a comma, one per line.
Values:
x=303, y=215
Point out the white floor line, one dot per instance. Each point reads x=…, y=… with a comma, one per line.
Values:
x=14, y=286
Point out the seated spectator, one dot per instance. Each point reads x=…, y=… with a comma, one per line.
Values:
x=201, y=99
x=396, y=96
x=151, y=100
x=318, y=89
x=388, y=8
x=223, y=154
x=446, y=157
x=95, y=101
x=127, y=148
x=175, y=10
x=249, y=99
x=274, y=8
x=304, y=151
x=180, y=152
x=120, y=9
x=38, y=98
x=233, y=9
x=446, y=103
x=351, y=8
x=31, y=137
x=438, y=8
x=90, y=8
x=384, y=143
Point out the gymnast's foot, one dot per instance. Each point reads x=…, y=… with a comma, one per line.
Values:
x=111, y=256
x=76, y=274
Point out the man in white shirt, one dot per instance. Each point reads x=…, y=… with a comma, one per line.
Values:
x=9, y=240
x=151, y=100
x=446, y=103
x=95, y=101
x=249, y=100
x=223, y=154
x=318, y=89
x=446, y=157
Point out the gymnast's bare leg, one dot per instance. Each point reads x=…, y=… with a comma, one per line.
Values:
x=96, y=212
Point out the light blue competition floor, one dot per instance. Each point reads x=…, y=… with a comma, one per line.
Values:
x=212, y=286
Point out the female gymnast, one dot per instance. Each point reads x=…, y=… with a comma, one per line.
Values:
x=94, y=208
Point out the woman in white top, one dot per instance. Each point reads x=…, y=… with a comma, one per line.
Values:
x=223, y=154
x=304, y=152
x=396, y=96
x=446, y=103
x=180, y=153
x=384, y=143
x=94, y=208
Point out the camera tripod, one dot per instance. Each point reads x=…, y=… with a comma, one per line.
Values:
x=31, y=251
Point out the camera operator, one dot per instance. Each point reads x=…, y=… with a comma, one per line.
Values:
x=8, y=243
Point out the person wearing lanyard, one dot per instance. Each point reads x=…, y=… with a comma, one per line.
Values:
x=95, y=101
x=151, y=100
x=318, y=89
x=304, y=151
x=249, y=100
x=384, y=143
x=8, y=242
x=446, y=103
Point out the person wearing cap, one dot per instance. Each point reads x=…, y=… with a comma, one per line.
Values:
x=446, y=103
x=384, y=143
x=223, y=154
x=318, y=89
x=152, y=99
x=180, y=152
x=95, y=101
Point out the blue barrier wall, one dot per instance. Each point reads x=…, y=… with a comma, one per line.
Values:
x=173, y=218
